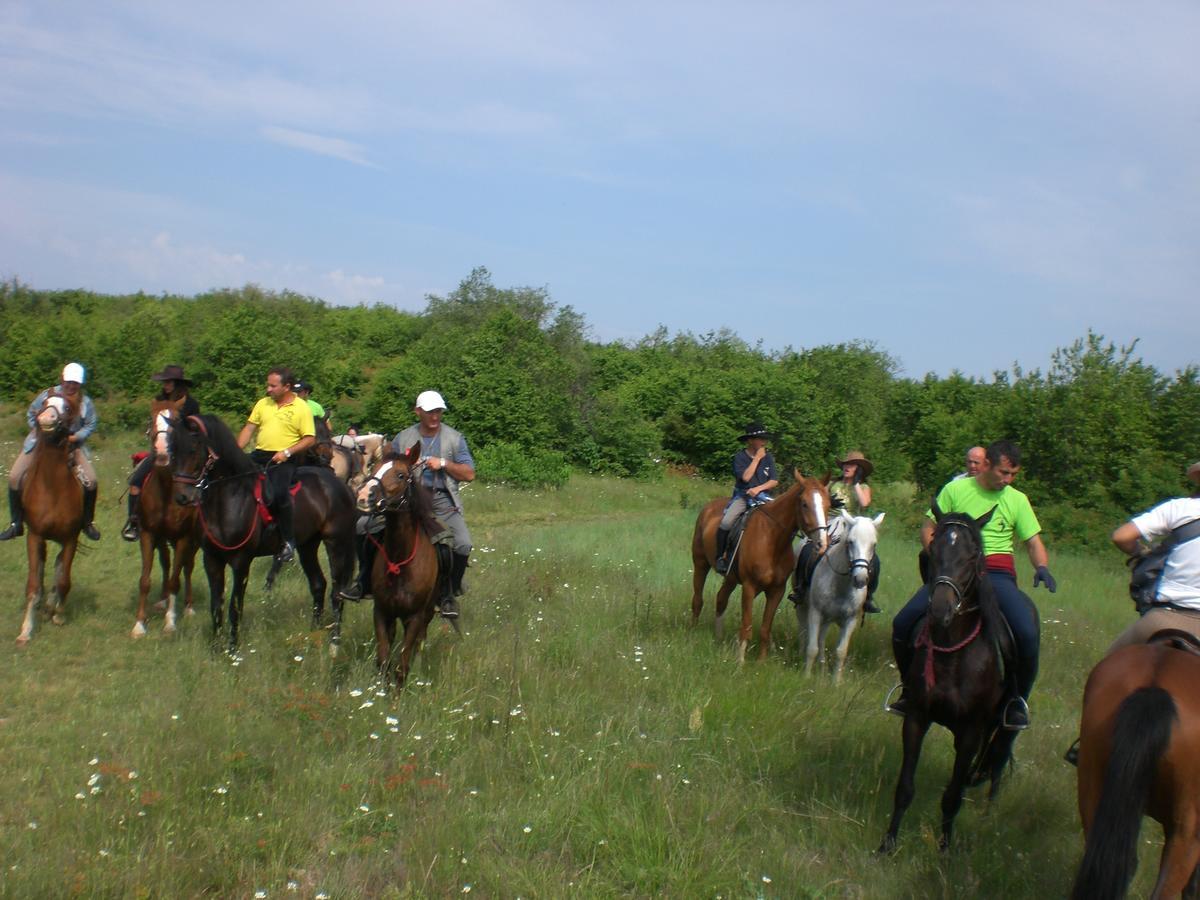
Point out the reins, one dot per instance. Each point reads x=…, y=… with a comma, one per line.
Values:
x=394, y=568
x=925, y=637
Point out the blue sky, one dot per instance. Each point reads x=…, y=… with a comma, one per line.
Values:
x=966, y=185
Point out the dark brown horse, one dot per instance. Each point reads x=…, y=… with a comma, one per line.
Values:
x=406, y=579
x=166, y=526
x=763, y=559
x=52, y=498
x=1139, y=754
x=956, y=675
x=214, y=474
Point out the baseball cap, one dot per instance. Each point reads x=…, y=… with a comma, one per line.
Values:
x=430, y=400
x=73, y=372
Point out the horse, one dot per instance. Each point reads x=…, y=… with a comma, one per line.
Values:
x=956, y=677
x=1139, y=753
x=354, y=457
x=216, y=476
x=763, y=558
x=838, y=589
x=166, y=526
x=407, y=577
x=52, y=497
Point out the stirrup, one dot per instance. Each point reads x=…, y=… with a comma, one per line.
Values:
x=721, y=566
x=448, y=608
x=1016, y=715
x=353, y=593
x=286, y=553
x=896, y=707
x=130, y=531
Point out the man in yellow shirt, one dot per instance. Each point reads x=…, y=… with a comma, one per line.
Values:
x=285, y=429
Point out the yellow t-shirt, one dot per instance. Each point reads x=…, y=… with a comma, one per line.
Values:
x=279, y=427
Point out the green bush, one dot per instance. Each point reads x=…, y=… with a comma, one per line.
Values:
x=527, y=468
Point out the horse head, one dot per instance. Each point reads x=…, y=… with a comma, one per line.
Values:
x=813, y=505
x=54, y=417
x=390, y=486
x=164, y=414
x=956, y=564
x=187, y=447
x=862, y=533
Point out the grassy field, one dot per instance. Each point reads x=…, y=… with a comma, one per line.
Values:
x=578, y=738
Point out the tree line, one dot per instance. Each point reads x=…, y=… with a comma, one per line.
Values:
x=1104, y=434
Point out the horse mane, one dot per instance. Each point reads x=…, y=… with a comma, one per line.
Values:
x=222, y=442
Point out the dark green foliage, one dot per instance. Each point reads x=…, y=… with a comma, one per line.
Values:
x=1104, y=434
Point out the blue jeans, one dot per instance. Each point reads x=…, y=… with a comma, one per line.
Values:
x=1017, y=608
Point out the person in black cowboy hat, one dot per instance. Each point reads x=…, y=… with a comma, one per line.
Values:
x=175, y=385
x=754, y=475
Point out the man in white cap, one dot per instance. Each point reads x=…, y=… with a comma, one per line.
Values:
x=445, y=461
x=80, y=429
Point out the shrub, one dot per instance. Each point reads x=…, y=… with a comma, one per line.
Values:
x=515, y=465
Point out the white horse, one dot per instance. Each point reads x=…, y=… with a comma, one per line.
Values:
x=839, y=587
x=355, y=456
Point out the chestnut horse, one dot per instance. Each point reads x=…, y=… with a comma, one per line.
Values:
x=216, y=476
x=166, y=526
x=1139, y=754
x=52, y=498
x=763, y=560
x=956, y=677
x=406, y=579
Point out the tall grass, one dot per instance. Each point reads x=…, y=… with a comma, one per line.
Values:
x=577, y=738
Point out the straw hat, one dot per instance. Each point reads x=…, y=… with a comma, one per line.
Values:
x=864, y=465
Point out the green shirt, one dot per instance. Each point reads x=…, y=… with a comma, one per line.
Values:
x=1013, y=520
x=318, y=410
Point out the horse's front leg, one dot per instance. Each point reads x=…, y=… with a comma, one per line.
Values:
x=237, y=598
x=146, y=545
x=749, y=591
x=967, y=744
x=913, y=731
x=385, y=633
x=214, y=568
x=414, y=632
x=846, y=631
x=700, y=568
x=721, y=604
x=316, y=580
x=816, y=635
x=35, y=553
x=62, y=579
x=774, y=595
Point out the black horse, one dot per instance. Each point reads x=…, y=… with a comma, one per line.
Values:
x=216, y=475
x=956, y=677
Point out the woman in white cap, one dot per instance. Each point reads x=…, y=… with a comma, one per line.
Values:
x=80, y=429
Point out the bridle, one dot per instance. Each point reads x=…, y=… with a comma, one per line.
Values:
x=855, y=562
x=960, y=591
x=398, y=500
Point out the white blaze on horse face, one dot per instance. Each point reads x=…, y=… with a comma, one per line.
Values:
x=823, y=534
x=51, y=413
x=161, y=423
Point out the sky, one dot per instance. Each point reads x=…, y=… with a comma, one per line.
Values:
x=968, y=186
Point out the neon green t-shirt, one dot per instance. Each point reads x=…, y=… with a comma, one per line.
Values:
x=1014, y=518
x=318, y=410
x=280, y=426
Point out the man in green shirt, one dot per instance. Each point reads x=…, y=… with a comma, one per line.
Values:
x=1013, y=521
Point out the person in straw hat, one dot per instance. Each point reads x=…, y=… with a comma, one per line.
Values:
x=174, y=385
x=754, y=476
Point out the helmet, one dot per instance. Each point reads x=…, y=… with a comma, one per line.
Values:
x=73, y=372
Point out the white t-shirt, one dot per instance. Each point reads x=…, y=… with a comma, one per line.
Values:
x=1180, y=582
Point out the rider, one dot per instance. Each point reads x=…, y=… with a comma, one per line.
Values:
x=1177, y=597
x=753, y=477
x=973, y=461
x=80, y=429
x=851, y=492
x=287, y=431
x=175, y=386
x=1013, y=520
x=320, y=424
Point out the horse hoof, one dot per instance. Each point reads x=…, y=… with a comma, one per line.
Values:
x=169, y=626
x=160, y=605
x=139, y=630
x=189, y=612
x=22, y=640
x=58, y=619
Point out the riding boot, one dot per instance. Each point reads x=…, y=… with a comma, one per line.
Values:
x=16, y=529
x=722, y=564
x=903, y=651
x=1016, y=711
x=89, y=513
x=457, y=572
x=803, y=574
x=132, y=526
x=366, y=562
x=872, y=584
x=287, y=534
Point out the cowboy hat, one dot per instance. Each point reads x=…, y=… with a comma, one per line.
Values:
x=171, y=373
x=756, y=430
x=865, y=466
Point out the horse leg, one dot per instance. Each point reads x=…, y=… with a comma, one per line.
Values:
x=164, y=564
x=385, y=632
x=237, y=597
x=722, y=603
x=316, y=579
x=967, y=744
x=843, y=647
x=413, y=632
x=774, y=595
x=700, y=569
x=272, y=572
x=172, y=586
x=815, y=632
x=341, y=568
x=1192, y=890
x=914, y=735
x=35, y=552
x=62, y=578
x=214, y=568
x=749, y=592
x=1180, y=853
x=185, y=550
x=146, y=545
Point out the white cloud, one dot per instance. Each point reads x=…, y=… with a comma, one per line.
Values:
x=319, y=144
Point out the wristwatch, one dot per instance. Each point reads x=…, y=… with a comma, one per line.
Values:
x=287, y=453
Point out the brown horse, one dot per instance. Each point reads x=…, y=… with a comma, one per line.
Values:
x=53, y=501
x=1139, y=754
x=165, y=524
x=406, y=579
x=763, y=559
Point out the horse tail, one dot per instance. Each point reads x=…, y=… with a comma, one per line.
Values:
x=1140, y=737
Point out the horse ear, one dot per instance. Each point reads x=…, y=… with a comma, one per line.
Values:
x=879, y=519
x=797, y=474
x=845, y=513
x=828, y=476
x=936, y=510
x=985, y=518
x=413, y=454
